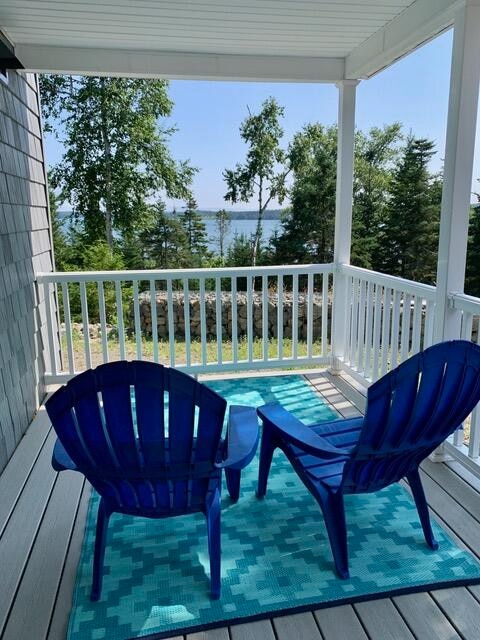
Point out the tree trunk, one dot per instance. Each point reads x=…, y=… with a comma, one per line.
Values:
x=258, y=232
x=108, y=172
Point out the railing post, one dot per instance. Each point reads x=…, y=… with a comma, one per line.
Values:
x=457, y=179
x=343, y=217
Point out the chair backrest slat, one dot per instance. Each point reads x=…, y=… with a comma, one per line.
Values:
x=149, y=390
x=411, y=411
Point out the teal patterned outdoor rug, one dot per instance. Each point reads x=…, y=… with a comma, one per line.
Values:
x=275, y=554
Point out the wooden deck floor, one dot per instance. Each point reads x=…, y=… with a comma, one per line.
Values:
x=42, y=516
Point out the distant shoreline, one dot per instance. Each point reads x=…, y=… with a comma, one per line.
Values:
x=270, y=214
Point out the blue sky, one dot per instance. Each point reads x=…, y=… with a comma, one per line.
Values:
x=414, y=91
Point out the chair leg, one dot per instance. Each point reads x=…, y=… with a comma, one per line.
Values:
x=334, y=514
x=99, y=554
x=232, y=477
x=267, y=448
x=214, y=544
x=421, y=503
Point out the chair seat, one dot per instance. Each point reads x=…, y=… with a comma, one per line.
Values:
x=341, y=434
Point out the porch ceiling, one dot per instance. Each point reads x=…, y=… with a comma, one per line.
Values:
x=304, y=40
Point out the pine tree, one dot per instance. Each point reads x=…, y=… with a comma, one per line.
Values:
x=472, y=276
x=408, y=240
x=165, y=242
x=375, y=154
x=307, y=230
x=195, y=233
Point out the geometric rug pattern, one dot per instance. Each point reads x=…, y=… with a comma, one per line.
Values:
x=275, y=553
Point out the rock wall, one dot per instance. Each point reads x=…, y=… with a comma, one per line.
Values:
x=226, y=305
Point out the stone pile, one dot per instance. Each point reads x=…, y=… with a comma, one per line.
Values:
x=226, y=311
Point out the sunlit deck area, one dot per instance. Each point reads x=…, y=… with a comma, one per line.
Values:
x=42, y=521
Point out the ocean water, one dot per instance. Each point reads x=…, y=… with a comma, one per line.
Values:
x=239, y=226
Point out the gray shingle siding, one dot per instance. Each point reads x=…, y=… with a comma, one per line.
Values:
x=24, y=250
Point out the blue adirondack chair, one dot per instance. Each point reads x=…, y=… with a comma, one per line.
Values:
x=146, y=458
x=410, y=412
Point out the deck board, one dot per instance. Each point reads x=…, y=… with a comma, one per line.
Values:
x=42, y=511
x=35, y=598
x=300, y=625
x=341, y=623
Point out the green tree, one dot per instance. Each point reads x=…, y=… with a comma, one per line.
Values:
x=409, y=236
x=59, y=237
x=223, y=223
x=472, y=276
x=116, y=154
x=307, y=230
x=239, y=253
x=195, y=233
x=165, y=243
x=375, y=155
x=264, y=172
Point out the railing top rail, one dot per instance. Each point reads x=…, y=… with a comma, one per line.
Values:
x=426, y=291
x=178, y=274
x=464, y=302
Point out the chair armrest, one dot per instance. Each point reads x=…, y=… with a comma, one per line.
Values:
x=61, y=461
x=297, y=433
x=242, y=438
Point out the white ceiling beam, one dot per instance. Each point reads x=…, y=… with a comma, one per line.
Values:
x=422, y=21
x=149, y=64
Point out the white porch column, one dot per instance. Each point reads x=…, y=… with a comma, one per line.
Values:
x=460, y=144
x=343, y=215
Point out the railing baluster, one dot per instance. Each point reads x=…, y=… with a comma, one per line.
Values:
x=467, y=325
x=120, y=323
x=103, y=320
x=406, y=318
x=310, y=315
x=68, y=327
x=369, y=330
x=186, y=320
x=218, y=319
x=354, y=324
x=249, y=320
x=86, y=332
x=280, y=317
x=474, y=439
x=265, y=341
x=295, y=317
x=324, y=328
x=417, y=324
x=387, y=300
x=203, y=322
x=136, y=315
x=361, y=327
x=377, y=326
x=171, y=323
x=429, y=318
x=395, y=328
x=153, y=312
x=51, y=340
x=233, y=289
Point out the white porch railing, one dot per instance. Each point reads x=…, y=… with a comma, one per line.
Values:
x=467, y=441
x=245, y=319
x=284, y=320
x=388, y=320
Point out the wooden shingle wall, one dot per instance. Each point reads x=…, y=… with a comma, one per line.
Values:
x=24, y=250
